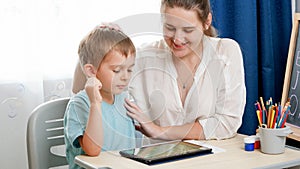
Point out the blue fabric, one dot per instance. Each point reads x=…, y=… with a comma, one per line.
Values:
x=118, y=128
x=262, y=28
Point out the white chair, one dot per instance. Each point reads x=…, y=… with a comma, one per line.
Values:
x=45, y=135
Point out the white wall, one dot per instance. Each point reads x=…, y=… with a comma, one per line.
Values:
x=39, y=42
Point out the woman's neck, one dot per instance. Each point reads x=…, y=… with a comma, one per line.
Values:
x=190, y=61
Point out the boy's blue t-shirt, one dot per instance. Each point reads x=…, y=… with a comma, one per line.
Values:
x=118, y=128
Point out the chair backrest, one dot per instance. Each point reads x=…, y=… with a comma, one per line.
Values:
x=45, y=134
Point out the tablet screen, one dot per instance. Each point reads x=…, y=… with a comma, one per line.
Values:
x=164, y=151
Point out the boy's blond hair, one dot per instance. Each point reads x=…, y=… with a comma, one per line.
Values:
x=100, y=41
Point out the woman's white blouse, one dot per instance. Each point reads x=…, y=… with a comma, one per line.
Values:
x=216, y=99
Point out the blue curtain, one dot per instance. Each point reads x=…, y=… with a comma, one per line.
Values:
x=263, y=29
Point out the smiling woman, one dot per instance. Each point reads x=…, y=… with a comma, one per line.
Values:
x=39, y=42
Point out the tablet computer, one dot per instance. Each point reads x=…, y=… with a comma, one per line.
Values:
x=165, y=152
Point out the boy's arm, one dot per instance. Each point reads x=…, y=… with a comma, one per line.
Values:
x=92, y=139
x=189, y=131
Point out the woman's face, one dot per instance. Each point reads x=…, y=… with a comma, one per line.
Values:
x=183, y=31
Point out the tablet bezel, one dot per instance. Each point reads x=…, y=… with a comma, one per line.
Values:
x=198, y=150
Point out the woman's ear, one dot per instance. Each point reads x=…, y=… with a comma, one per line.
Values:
x=90, y=70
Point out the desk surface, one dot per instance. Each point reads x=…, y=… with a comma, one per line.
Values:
x=233, y=157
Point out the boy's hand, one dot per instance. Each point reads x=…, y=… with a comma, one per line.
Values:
x=92, y=88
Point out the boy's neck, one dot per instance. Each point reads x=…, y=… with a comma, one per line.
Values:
x=107, y=97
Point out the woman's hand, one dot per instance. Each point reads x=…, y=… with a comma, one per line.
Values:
x=110, y=25
x=92, y=88
x=147, y=127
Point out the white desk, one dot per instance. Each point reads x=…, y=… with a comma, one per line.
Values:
x=233, y=157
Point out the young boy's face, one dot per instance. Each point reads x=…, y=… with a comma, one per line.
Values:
x=115, y=72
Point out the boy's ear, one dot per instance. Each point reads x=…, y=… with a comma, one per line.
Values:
x=90, y=70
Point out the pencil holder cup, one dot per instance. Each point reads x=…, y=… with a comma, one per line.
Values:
x=272, y=141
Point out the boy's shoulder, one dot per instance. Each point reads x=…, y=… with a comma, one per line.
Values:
x=81, y=94
x=80, y=97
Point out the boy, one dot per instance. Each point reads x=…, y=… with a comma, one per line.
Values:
x=95, y=118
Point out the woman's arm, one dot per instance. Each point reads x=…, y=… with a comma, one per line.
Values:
x=190, y=131
x=231, y=93
x=147, y=127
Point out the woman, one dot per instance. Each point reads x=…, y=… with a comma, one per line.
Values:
x=190, y=84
